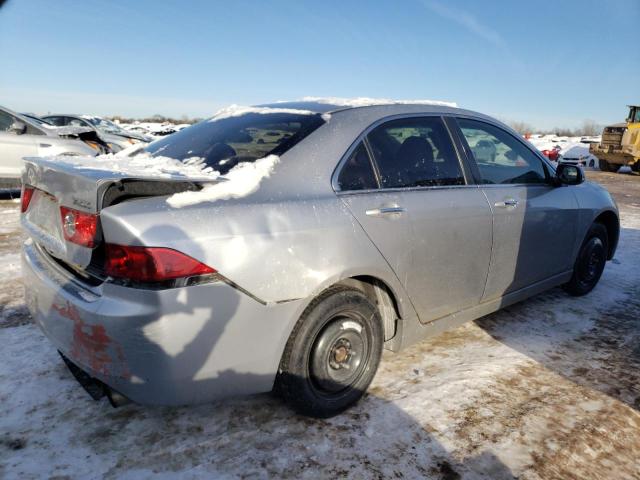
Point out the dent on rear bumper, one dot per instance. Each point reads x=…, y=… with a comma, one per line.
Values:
x=164, y=347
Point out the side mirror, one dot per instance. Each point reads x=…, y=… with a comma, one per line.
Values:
x=567, y=174
x=18, y=127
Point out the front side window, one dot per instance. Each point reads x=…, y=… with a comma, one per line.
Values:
x=415, y=152
x=357, y=172
x=500, y=157
x=224, y=143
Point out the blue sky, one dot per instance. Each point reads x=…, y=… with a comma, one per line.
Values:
x=549, y=63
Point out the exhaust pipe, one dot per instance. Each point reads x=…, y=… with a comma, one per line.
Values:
x=94, y=387
x=116, y=399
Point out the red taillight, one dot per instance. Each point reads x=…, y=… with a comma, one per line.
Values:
x=25, y=197
x=151, y=264
x=79, y=227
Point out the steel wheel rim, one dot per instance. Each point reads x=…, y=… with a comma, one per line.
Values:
x=339, y=354
x=592, y=263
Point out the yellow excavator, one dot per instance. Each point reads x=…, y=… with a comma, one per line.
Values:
x=620, y=144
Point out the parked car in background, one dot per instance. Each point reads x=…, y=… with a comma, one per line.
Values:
x=552, y=153
x=22, y=136
x=579, y=155
x=116, y=137
x=369, y=227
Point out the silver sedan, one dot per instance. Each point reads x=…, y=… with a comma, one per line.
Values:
x=367, y=228
x=22, y=136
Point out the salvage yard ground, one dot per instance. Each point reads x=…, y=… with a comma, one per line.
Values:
x=546, y=389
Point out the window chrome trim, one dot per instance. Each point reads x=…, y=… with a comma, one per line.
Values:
x=406, y=189
x=362, y=138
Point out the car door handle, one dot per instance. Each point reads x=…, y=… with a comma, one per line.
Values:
x=509, y=202
x=378, y=212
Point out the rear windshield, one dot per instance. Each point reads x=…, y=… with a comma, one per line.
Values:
x=226, y=142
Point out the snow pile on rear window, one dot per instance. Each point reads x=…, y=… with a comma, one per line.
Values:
x=366, y=101
x=239, y=110
x=141, y=165
x=240, y=181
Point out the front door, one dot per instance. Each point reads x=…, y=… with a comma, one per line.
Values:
x=534, y=222
x=433, y=229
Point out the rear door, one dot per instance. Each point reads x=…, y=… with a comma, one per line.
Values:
x=13, y=147
x=405, y=184
x=534, y=222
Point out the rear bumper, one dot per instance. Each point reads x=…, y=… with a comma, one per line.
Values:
x=161, y=347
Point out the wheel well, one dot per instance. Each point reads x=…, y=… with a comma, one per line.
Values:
x=379, y=293
x=612, y=224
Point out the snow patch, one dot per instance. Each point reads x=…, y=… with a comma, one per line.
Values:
x=240, y=181
x=366, y=101
x=239, y=110
x=140, y=165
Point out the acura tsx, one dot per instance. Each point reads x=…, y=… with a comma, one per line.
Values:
x=311, y=236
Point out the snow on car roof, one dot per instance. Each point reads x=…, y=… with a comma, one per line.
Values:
x=238, y=110
x=331, y=104
x=367, y=102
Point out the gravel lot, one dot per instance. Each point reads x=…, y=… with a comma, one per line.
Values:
x=546, y=389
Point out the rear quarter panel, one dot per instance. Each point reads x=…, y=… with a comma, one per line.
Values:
x=276, y=250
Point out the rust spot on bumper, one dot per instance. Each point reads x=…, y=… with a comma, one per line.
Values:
x=92, y=346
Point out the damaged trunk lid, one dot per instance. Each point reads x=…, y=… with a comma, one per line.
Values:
x=62, y=203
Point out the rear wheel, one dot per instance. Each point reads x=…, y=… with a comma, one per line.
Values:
x=332, y=354
x=590, y=262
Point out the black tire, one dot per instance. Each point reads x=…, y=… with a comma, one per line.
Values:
x=590, y=263
x=332, y=354
x=603, y=165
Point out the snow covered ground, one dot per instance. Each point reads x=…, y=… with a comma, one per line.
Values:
x=546, y=389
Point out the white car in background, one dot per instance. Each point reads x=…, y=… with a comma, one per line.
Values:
x=22, y=136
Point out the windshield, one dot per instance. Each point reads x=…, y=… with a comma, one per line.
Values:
x=38, y=120
x=105, y=125
x=224, y=143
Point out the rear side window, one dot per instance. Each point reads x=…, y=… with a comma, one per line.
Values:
x=357, y=172
x=415, y=152
x=226, y=142
x=6, y=121
x=500, y=157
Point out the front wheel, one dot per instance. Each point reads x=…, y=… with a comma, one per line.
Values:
x=332, y=354
x=590, y=262
x=603, y=165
